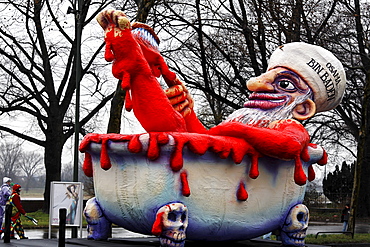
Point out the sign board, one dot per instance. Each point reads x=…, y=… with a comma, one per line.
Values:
x=67, y=195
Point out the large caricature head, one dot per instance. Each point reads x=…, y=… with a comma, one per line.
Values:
x=301, y=79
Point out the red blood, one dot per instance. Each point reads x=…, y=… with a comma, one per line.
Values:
x=158, y=224
x=163, y=138
x=185, y=184
x=324, y=159
x=253, y=172
x=153, y=148
x=135, y=146
x=104, y=157
x=242, y=194
x=311, y=173
x=87, y=165
x=235, y=145
x=299, y=175
x=128, y=101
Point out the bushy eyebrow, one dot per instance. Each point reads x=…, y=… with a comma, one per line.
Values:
x=301, y=84
x=289, y=72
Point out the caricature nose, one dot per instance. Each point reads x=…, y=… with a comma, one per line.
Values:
x=262, y=83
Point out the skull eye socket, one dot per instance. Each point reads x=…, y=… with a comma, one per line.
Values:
x=300, y=216
x=183, y=217
x=172, y=216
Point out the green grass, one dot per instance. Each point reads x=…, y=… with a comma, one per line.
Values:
x=337, y=238
x=42, y=218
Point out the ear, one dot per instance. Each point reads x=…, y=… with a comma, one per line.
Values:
x=304, y=110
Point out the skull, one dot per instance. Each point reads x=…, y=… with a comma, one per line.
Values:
x=171, y=224
x=293, y=231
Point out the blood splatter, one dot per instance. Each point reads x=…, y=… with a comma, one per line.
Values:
x=223, y=146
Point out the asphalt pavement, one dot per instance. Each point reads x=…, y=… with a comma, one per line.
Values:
x=125, y=238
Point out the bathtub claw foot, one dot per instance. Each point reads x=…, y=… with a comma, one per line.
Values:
x=98, y=227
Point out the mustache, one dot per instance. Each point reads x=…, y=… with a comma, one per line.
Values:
x=263, y=117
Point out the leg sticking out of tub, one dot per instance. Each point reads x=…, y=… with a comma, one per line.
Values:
x=99, y=228
x=293, y=231
x=170, y=224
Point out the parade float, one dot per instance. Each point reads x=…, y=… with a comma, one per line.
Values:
x=232, y=182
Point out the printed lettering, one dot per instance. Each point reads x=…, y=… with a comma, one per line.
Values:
x=334, y=72
x=315, y=66
x=324, y=77
x=327, y=76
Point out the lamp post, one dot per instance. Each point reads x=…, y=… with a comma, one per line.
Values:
x=77, y=10
x=77, y=13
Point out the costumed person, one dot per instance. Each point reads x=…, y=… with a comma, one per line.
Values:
x=17, y=211
x=345, y=217
x=301, y=79
x=73, y=195
x=5, y=191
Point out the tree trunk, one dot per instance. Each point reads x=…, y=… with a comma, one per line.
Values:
x=114, y=124
x=53, y=160
x=361, y=188
x=360, y=204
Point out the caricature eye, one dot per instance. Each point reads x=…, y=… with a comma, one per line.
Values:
x=287, y=85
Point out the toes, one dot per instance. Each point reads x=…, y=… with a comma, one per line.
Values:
x=113, y=18
x=123, y=23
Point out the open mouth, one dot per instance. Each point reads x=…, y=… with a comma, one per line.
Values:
x=169, y=242
x=297, y=238
x=265, y=101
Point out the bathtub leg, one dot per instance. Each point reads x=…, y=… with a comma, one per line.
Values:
x=98, y=228
x=293, y=231
x=170, y=225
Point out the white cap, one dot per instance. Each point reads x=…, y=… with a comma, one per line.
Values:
x=320, y=69
x=6, y=179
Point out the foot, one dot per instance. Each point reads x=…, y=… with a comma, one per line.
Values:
x=121, y=47
x=24, y=237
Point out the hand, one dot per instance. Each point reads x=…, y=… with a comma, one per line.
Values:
x=180, y=98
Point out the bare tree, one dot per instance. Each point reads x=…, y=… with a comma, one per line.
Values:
x=216, y=46
x=38, y=74
x=360, y=13
x=10, y=154
x=31, y=163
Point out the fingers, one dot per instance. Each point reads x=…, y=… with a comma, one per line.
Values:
x=174, y=91
x=183, y=108
x=180, y=99
x=115, y=18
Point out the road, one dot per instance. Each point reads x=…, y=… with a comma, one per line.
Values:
x=313, y=228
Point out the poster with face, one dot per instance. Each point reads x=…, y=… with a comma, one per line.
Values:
x=66, y=195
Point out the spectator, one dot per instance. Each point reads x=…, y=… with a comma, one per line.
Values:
x=17, y=211
x=345, y=217
x=5, y=193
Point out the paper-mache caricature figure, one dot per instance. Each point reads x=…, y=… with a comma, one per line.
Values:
x=236, y=181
